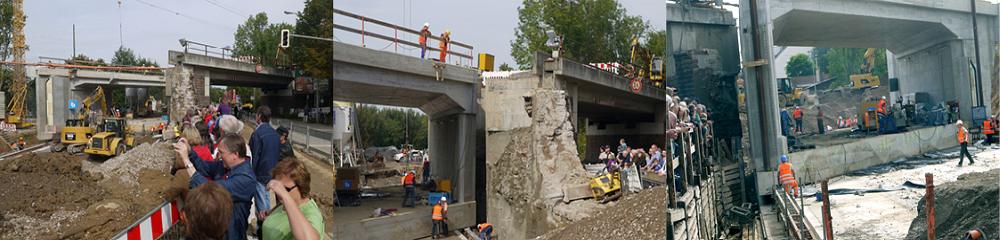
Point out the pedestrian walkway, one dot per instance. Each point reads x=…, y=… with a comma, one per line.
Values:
x=318, y=140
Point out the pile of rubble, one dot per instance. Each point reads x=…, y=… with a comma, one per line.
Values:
x=636, y=216
x=125, y=168
x=959, y=206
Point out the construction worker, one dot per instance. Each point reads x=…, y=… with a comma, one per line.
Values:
x=424, y=34
x=989, y=130
x=409, y=188
x=485, y=231
x=443, y=44
x=439, y=216
x=963, y=140
x=974, y=234
x=881, y=107
x=819, y=121
x=786, y=176
x=797, y=115
x=20, y=143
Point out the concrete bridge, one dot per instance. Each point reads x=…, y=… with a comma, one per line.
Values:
x=56, y=86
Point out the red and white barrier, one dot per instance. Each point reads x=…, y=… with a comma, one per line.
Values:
x=153, y=225
x=610, y=67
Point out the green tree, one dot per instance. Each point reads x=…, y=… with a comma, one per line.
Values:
x=6, y=37
x=81, y=59
x=258, y=38
x=656, y=43
x=314, y=56
x=592, y=30
x=388, y=126
x=126, y=57
x=820, y=55
x=505, y=67
x=800, y=65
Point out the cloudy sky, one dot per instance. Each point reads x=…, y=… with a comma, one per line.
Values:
x=151, y=27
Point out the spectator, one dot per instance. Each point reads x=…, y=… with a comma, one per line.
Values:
x=224, y=108
x=286, y=145
x=233, y=173
x=265, y=148
x=206, y=212
x=197, y=138
x=297, y=216
x=621, y=145
x=654, y=157
x=228, y=124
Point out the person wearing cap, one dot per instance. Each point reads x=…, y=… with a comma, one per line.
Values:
x=443, y=44
x=963, y=140
x=786, y=176
x=409, y=188
x=424, y=34
x=439, y=216
x=797, y=115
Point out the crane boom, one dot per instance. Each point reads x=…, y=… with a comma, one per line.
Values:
x=16, y=109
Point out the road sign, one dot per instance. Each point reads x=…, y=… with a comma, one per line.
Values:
x=73, y=104
x=636, y=85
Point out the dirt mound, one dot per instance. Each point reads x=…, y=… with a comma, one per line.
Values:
x=125, y=168
x=636, y=216
x=962, y=205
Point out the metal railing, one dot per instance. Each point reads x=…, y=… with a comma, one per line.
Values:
x=213, y=51
x=307, y=133
x=464, y=54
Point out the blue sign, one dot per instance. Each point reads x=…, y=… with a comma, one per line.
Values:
x=74, y=104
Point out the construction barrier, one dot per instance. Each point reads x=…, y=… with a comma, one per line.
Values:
x=153, y=225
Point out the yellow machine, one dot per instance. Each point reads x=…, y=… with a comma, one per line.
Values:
x=788, y=94
x=607, y=187
x=77, y=132
x=868, y=114
x=866, y=79
x=114, y=139
x=654, y=68
x=16, y=109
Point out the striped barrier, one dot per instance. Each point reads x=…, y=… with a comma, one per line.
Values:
x=153, y=225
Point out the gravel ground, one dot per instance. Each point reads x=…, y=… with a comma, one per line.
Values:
x=125, y=168
x=635, y=216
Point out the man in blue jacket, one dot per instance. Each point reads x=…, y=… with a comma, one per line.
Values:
x=265, y=146
x=232, y=172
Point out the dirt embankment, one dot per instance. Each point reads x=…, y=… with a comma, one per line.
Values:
x=62, y=196
x=637, y=216
x=968, y=203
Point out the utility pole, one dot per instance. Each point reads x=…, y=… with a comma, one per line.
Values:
x=975, y=39
x=333, y=105
x=74, y=41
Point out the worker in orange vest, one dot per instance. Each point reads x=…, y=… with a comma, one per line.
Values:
x=409, y=188
x=443, y=44
x=881, y=106
x=786, y=176
x=439, y=216
x=797, y=115
x=989, y=130
x=424, y=34
x=963, y=140
x=485, y=231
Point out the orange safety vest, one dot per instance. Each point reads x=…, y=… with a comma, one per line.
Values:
x=484, y=226
x=988, y=127
x=423, y=37
x=961, y=135
x=438, y=215
x=785, y=175
x=881, y=106
x=408, y=179
x=797, y=114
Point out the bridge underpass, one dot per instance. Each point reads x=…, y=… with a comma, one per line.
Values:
x=55, y=87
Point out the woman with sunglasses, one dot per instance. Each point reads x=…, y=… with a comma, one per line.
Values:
x=297, y=216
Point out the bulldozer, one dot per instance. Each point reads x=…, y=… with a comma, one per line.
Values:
x=607, y=186
x=865, y=79
x=74, y=136
x=114, y=139
x=788, y=94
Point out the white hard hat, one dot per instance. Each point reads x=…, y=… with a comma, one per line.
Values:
x=427, y=24
x=959, y=122
x=444, y=199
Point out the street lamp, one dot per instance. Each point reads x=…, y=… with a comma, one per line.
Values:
x=291, y=13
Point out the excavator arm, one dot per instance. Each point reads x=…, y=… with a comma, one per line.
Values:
x=869, y=60
x=97, y=96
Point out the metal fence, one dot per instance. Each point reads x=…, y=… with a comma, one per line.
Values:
x=313, y=141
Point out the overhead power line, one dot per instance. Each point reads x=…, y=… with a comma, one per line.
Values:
x=230, y=10
x=184, y=15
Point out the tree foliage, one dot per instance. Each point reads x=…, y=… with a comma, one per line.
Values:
x=800, y=65
x=388, y=126
x=592, y=30
x=314, y=56
x=6, y=37
x=258, y=38
x=844, y=62
x=505, y=67
x=126, y=57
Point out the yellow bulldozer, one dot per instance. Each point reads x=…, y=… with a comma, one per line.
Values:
x=74, y=136
x=607, y=187
x=114, y=139
x=788, y=94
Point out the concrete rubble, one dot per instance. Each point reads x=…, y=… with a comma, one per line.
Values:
x=125, y=168
x=538, y=166
x=968, y=203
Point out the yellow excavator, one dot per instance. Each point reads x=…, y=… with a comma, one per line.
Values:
x=654, y=68
x=16, y=109
x=865, y=79
x=74, y=136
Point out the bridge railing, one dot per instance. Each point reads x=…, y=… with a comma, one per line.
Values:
x=396, y=36
x=213, y=51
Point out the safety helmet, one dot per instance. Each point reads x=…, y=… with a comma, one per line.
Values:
x=784, y=158
x=444, y=199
